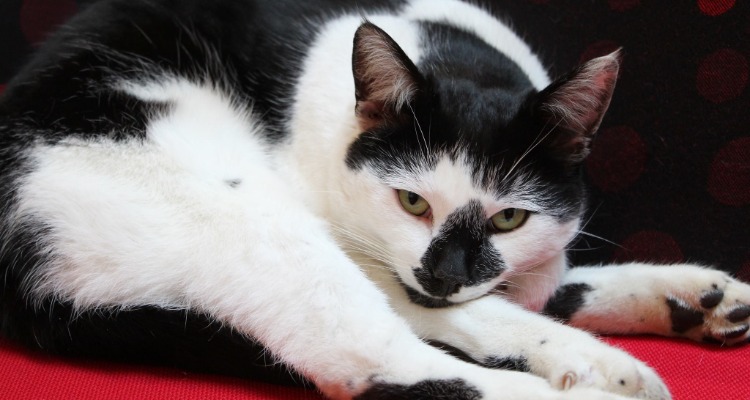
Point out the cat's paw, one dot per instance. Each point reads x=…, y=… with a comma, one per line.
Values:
x=711, y=306
x=592, y=364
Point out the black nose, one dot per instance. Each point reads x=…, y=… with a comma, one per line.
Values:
x=450, y=271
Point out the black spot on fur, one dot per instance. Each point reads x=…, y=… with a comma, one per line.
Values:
x=233, y=183
x=512, y=363
x=712, y=298
x=567, y=300
x=739, y=314
x=454, y=389
x=683, y=318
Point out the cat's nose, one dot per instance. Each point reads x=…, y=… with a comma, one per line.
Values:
x=451, y=271
x=447, y=287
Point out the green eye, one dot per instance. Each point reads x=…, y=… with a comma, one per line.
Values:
x=413, y=203
x=509, y=219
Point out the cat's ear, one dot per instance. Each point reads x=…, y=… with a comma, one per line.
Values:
x=385, y=79
x=573, y=106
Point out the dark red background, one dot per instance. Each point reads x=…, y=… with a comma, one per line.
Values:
x=669, y=175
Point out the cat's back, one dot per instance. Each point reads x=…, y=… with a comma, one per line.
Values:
x=251, y=49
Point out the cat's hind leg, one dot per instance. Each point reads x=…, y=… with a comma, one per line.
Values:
x=674, y=300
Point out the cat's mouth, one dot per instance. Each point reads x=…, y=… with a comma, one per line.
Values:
x=425, y=300
x=445, y=297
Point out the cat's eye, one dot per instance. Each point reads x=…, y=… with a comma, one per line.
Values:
x=413, y=203
x=509, y=219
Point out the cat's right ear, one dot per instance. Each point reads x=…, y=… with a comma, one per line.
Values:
x=385, y=79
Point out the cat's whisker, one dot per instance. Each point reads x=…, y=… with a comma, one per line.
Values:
x=580, y=232
x=536, y=142
x=359, y=243
x=426, y=152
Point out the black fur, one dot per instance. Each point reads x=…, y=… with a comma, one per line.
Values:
x=566, y=301
x=512, y=363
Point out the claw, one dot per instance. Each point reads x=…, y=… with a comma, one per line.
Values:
x=569, y=380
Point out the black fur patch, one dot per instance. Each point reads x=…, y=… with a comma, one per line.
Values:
x=454, y=389
x=67, y=88
x=566, y=301
x=147, y=335
x=512, y=363
x=683, y=318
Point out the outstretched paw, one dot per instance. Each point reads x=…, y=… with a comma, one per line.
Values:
x=588, y=363
x=713, y=308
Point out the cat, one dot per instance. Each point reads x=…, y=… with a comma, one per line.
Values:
x=375, y=196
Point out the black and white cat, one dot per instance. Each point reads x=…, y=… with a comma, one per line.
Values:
x=333, y=184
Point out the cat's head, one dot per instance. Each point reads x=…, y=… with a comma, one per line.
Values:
x=471, y=176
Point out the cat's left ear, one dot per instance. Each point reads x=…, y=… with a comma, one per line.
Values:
x=573, y=106
x=385, y=79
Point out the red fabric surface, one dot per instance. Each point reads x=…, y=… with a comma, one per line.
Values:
x=692, y=372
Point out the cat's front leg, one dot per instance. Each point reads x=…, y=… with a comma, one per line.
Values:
x=676, y=300
x=498, y=334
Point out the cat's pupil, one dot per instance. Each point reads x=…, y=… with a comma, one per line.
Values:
x=509, y=214
x=413, y=198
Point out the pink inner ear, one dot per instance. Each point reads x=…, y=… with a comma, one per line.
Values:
x=382, y=71
x=369, y=114
x=580, y=103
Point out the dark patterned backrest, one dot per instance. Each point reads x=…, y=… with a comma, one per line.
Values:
x=670, y=170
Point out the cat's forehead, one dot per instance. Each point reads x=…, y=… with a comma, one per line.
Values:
x=450, y=183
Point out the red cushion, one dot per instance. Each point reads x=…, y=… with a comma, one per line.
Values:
x=691, y=371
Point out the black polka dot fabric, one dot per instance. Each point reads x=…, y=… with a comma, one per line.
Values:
x=670, y=170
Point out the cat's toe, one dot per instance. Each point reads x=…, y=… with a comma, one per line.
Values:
x=721, y=314
x=598, y=366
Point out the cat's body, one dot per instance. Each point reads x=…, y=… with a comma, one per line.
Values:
x=206, y=182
